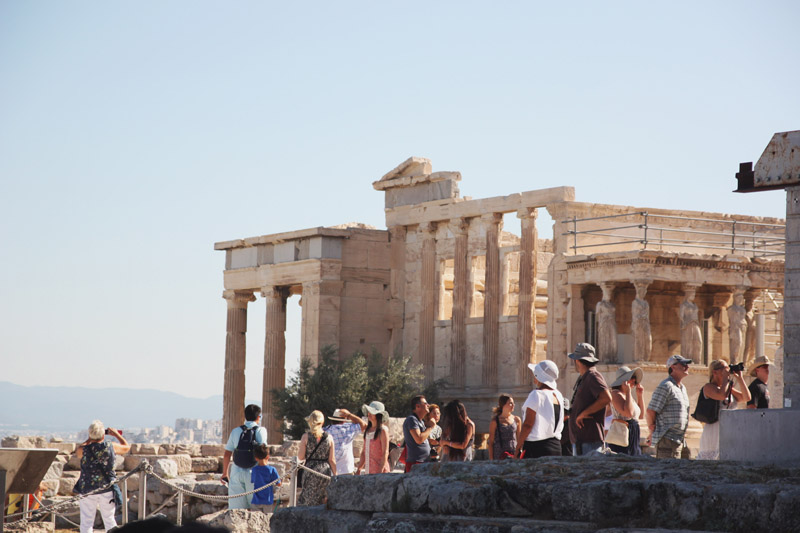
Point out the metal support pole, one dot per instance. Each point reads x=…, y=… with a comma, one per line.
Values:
x=293, y=484
x=124, y=488
x=180, y=508
x=26, y=506
x=2, y=499
x=142, y=495
x=760, y=329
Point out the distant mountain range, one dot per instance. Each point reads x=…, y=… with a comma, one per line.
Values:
x=60, y=409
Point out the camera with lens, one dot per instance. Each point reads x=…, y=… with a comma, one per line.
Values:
x=739, y=367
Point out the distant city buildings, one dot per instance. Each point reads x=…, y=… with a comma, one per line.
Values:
x=186, y=431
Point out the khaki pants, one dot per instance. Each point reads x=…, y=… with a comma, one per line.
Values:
x=669, y=449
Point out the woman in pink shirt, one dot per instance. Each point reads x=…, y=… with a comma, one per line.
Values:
x=375, y=454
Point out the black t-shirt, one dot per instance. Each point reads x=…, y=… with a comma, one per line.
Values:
x=759, y=394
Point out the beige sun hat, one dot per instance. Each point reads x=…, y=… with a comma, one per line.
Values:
x=375, y=408
x=337, y=416
x=624, y=373
x=757, y=362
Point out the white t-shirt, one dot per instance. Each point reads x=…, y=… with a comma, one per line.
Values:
x=544, y=427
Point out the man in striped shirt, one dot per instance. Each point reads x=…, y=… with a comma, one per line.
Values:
x=668, y=411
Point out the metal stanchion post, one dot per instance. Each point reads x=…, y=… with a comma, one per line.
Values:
x=142, y=495
x=124, y=501
x=180, y=508
x=293, y=484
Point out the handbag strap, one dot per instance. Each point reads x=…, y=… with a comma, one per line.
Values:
x=323, y=437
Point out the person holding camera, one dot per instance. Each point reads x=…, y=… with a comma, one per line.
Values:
x=727, y=390
x=97, y=471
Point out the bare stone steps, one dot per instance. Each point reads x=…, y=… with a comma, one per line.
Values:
x=427, y=523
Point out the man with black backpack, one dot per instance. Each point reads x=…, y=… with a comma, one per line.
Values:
x=240, y=445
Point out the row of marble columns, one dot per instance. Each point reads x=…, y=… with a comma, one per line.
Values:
x=493, y=296
x=741, y=324
x=236, y=356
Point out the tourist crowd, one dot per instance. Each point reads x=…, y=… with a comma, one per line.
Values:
x=598, y=419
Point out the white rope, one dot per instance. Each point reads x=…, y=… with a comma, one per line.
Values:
x=212, y=497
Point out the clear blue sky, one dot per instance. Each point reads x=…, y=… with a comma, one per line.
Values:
x=134, y=135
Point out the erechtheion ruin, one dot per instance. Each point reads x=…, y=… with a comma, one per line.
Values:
x=474, y=302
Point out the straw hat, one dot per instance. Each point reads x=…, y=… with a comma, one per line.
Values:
x=337, y=416
x=624, y=373
x=757, y=362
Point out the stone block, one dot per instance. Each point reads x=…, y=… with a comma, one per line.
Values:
x=290, y=448
x=184, y=462
x=66, y=448
x=318, y=519
x=205, y=464
x=167, y=449
x=238, y=520
x=212, y=450
x=74, y=463
x=66, y=484
x=50, y=487
x=192, y=450
x=144, y=449
x=166, y=468
x=17, y=441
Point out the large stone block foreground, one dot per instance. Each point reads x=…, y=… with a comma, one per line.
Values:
x=561, y=494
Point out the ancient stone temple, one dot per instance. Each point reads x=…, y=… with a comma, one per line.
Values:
x=474, y=298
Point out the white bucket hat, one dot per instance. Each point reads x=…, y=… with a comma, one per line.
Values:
x=375, y=408
x=546, y=372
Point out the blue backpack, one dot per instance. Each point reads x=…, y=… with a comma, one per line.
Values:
x=243, y=454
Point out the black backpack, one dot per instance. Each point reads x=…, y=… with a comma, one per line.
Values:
x=243, y=454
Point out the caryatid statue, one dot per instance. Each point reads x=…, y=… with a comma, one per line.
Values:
x=737, y=318
x=749, y=351
x=606, y=316
x=640, y=324
x=691, y=336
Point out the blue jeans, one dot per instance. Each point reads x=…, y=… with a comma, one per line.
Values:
x=239, y=482
x=582, y=448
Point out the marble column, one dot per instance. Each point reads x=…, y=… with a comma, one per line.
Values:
x=492, y=299
x=640, y=323
x=397, y=287
x=427, y=312
x=274, y=358
x=461, y=288
x=691, y=333
x=737, y=320
x=235, y=359
x=528, y=274
x=606, y=320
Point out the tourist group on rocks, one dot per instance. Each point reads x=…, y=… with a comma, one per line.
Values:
x=598, y=419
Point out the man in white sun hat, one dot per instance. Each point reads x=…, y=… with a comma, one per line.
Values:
x=759, y=394
x=344, y=428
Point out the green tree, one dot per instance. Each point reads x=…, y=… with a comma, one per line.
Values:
x=349, y=383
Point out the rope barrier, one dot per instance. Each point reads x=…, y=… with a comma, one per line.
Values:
x=147, y=468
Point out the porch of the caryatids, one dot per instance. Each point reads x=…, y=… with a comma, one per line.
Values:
x=640, y=322
x=606, y=319
x=235, y=359
x=691, y=334
x=274, y=358
x=526, y=314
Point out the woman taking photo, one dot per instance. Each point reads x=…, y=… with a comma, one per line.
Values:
x=375, y=453
x=504, y=429
x=720, y=388
x=97, y=471
x=544, y=415
x=316, y=449
x=458, y=433
x=626, y=407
